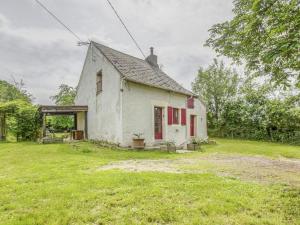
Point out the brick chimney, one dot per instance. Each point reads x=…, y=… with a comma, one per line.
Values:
x=152, y=59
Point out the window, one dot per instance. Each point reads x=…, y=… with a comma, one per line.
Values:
x=99, y=82
x=175, y=116
x=190, y=103
x=170, y=115
x=183, y=117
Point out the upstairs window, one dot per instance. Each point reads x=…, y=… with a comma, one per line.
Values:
x=99, y=82
x=175, y=116
x=190, y=103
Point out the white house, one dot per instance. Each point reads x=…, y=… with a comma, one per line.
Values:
x=126, y=95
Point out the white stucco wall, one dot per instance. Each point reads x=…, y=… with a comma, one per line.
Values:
x=104, y=109
x=124, y=108
x=138, y=114
x=81, y=121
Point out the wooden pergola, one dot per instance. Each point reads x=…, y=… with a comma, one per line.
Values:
x=78, y=111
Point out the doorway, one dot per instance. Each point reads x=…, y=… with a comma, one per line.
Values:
x=158, y=126
x=193, y=126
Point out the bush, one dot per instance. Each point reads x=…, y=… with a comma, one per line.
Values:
x=22, y=119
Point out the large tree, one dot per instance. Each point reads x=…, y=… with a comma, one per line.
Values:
x=16, y=91
x=265, y=35
x=216, y=85
x=65, y=96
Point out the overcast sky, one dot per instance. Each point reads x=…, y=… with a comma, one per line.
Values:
x=35, y=48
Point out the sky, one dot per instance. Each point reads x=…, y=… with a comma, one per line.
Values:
x=38, y=50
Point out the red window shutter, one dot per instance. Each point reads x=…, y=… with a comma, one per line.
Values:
x=190, y=103
x=170, y=115
x=183, y=116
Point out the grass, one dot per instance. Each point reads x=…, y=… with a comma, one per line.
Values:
x=269, y=149
x=61, y=184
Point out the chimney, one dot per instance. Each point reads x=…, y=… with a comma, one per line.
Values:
x=152, y=59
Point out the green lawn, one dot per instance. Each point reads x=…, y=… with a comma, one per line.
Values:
x=270, y=149
x=62, y=184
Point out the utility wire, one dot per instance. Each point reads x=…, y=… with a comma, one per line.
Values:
x=135, y=42
x=58, y=20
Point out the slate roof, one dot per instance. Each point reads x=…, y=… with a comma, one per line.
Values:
x=140, y=71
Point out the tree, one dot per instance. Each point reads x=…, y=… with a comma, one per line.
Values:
x=216, y=85
x=16, y=98
x=16, y=91
x=258, y=114
x=65, y=96
x=265, y=35
x=23, y=119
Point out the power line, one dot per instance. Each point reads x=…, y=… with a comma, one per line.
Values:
x=135, y=42
x=58, y=20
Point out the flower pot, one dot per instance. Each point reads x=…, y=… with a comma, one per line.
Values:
x=138, y=143
x=193, y=147
x=171, y=148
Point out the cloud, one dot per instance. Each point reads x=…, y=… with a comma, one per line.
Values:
x=3, y=22
x=37, y=49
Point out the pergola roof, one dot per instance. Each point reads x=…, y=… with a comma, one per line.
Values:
x=59, y=110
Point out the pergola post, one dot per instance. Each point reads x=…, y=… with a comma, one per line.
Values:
x=75, y=121
x=2, y=127
x=86, y=125
x=44, y=125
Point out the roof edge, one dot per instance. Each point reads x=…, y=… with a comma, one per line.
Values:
x=132, y=80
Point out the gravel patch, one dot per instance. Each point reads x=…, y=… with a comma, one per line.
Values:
x=250, y=168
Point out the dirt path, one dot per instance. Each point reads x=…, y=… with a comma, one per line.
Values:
x=251, y=168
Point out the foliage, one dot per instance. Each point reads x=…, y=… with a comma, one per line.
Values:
x=65, y=96
x=106, y=144
x=217, y=85
x=138, y=135
x=265, y=35
x=22, y=119
x=69, y=188
x=255, y=115
x=59, y=123
x=240, y=108
x=10, y=92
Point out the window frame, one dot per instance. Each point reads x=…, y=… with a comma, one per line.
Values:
x=176, y=116
x=99, y=82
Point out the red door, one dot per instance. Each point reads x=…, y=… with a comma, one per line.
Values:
x=192, y=125
x=158, y=131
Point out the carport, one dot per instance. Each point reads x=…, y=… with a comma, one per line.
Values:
x=79, y=113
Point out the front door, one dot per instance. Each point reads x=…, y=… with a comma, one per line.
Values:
x=158, y=131
x=192, y=125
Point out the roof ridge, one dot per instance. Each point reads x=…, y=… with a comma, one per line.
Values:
x=119, y=51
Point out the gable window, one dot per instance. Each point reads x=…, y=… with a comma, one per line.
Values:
x=175, y=116
x=99, y=82
x=190, y=103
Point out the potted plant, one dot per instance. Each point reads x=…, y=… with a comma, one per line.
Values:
x=169, y=146
x=193, y=145
x=138, y=142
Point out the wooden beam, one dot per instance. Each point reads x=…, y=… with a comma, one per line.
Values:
x=54, y=109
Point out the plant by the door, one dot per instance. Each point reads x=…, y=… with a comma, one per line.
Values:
x=137, y=141
x=194, y=145
x=169, y=146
